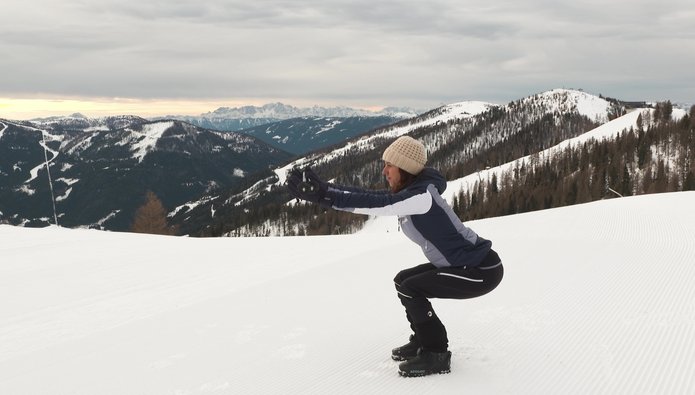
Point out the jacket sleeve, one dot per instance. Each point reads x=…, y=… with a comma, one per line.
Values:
x=407, y=202
x=345, y=188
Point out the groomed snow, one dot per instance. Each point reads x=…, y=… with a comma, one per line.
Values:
x=597, y=299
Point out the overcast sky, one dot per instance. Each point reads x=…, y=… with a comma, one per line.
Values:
x=353, y=52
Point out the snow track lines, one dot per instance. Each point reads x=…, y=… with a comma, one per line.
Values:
x=597, y=299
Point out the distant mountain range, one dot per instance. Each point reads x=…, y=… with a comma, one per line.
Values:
x=280, y=111
x=246, y=117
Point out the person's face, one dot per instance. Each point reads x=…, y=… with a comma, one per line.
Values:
x=393, y=176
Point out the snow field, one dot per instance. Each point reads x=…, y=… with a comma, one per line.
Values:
x=597, y=298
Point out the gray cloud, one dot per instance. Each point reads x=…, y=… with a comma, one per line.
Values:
x=347, y=52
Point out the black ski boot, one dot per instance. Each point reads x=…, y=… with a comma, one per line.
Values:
x=406, y=351
x=425, y=363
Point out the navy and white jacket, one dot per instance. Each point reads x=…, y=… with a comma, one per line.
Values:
x=425, y=217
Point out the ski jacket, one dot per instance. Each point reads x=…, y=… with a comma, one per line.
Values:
x=424, y=216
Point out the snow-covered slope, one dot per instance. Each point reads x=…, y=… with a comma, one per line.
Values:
x=597, y=299
x=568, y=100
x=606, y=131
x=147, y=138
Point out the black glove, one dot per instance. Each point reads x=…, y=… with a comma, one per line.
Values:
x=307, y=185
x=296, y=185
x=293, y=179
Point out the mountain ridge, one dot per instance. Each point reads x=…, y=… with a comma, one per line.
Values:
x=108, y=166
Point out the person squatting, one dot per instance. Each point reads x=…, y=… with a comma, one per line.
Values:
x=461, y=265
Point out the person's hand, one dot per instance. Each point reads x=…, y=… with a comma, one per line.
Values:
x=307, y=185
x=298, y=185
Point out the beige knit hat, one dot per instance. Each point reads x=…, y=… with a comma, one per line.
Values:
x=406, y=153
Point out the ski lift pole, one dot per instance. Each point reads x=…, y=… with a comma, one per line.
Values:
x=48, y=172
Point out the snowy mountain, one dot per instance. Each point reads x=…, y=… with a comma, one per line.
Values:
x=607, y=131
x=461, y=139
x=100, y=169
x=580, y=310
x=566, y=101
x=441, y=127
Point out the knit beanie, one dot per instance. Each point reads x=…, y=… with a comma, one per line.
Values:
x=406, y=153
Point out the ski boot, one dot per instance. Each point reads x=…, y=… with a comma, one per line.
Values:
x=425, y=363
x=406, y=351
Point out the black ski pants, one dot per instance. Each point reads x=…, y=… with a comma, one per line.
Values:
x=420, y=283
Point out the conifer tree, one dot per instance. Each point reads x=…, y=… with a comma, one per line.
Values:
x=667, y=110
x=151, y=217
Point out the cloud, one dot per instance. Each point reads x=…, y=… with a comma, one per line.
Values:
x=347, y=52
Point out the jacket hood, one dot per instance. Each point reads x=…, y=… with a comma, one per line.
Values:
x=432, y=176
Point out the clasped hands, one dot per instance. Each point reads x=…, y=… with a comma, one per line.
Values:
x=305, y=184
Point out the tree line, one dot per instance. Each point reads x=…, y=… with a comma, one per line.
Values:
x=655, y=157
